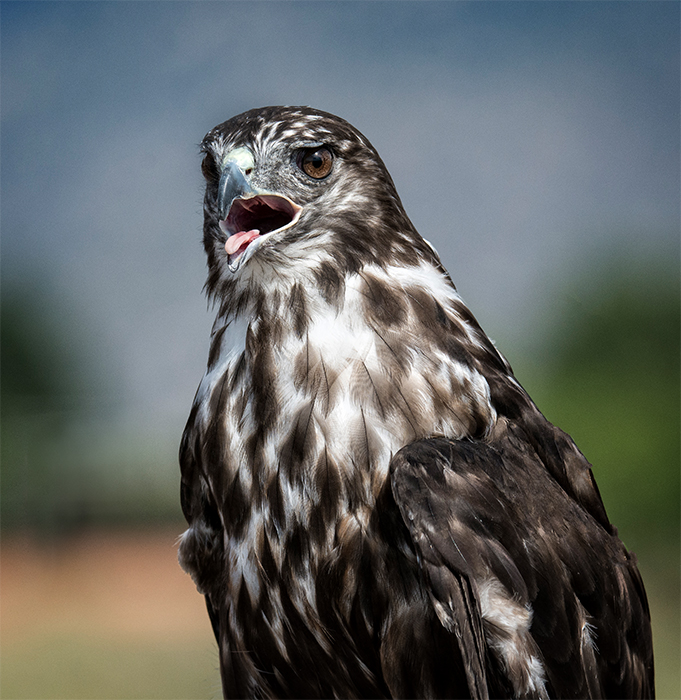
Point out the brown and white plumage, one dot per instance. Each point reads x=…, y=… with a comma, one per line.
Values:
x=376, y=508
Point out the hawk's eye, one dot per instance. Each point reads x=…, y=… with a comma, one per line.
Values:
x=317, y=162
x=209, y=168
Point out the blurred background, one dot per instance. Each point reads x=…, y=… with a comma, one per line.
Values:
x=536, y=145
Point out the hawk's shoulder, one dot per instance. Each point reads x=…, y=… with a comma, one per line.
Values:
x=507, y=550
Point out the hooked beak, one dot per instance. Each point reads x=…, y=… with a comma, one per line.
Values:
x=233, y=184
x=248, y=215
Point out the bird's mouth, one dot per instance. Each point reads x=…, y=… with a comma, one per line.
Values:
x=252, y=219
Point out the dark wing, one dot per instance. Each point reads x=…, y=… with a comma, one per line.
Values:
x=543, y=599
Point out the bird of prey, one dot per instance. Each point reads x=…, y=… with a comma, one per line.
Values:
x=376, y=507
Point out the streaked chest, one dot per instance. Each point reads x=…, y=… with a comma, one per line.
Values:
x=304, y=381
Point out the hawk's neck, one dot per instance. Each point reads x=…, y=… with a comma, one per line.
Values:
x=345, y=371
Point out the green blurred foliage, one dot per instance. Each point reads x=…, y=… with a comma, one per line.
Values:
x=611, y=380
x=608, y=374
x=65, y=460
x=40, y=392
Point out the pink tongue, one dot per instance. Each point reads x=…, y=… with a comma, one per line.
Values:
x=239, y=241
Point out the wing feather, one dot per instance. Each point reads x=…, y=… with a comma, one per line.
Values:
x=520, y=573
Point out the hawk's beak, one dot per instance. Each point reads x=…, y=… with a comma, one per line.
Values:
x=233, y=184
x=247, y=215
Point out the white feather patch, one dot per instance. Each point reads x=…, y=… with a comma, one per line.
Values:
x=514, y=645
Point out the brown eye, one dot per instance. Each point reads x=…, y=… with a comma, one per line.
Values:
x=317, y=162
x=208, y=167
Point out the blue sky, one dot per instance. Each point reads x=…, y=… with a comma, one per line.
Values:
x=525, y=139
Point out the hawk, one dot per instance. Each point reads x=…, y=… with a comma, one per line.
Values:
x=376, y=507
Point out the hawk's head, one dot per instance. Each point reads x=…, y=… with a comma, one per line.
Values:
x=293, y=188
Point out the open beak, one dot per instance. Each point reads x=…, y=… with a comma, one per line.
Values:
x=248, y=215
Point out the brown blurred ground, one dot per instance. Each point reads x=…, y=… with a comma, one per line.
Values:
x=102, y=615
x=111, y=615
